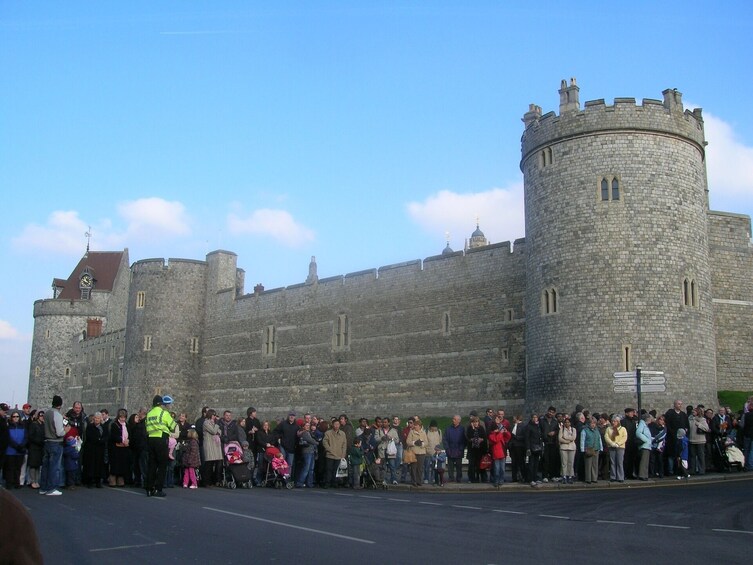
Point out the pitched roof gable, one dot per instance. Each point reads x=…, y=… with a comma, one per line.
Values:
x=103, y=265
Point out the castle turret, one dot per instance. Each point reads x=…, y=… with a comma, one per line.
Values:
x=618, y=269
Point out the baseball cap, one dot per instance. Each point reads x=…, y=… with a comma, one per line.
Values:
x=4, y=407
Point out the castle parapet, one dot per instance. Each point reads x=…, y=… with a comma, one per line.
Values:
x=666, y=117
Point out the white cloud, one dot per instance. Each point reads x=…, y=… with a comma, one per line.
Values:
x=7, y=331
x=148, y=217
x=499, y=211
x=64, y=232
x=277, y=224
x=729, y=162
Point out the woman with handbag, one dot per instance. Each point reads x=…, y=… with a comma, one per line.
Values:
x=534, y=448
x=591, y=446
x=416, y=450
x=475, y=436
x=616, y=438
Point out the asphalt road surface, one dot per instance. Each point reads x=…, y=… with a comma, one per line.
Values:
x=688, y=523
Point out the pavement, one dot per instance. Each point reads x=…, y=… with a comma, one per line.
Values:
x=558, y=485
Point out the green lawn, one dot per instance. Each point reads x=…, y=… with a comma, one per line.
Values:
x=735, y=399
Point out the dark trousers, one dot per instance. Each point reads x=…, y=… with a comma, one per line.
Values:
x=551, y=460
x=331, y=477
x=518, y=463
x=12, y=470
x=455, y=468
x=533, y=465
x=158, y=458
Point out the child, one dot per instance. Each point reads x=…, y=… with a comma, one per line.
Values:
x=71, y=449
x=681, y=448
x=440, y=462
x=279, y=464
x=355, y=458
x=248, y=456
x=191, y=460
x=170, y=473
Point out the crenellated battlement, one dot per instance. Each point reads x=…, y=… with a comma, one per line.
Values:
x=501, y=255
x=663, y=117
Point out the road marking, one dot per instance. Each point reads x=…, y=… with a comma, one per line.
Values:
x=731, y=531
x=126, y=491
x=615, y=522
x=127, y=546
x=293, y=526
x=371, y=497
x=467, y=507
x=554, y=516
x=508, y=511
x=342, y=494
x=431, y=503
x=399, y=499
x=669, y=526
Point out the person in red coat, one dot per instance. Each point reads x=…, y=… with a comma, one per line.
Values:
x=498, y=438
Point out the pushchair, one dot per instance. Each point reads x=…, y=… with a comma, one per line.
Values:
x=271, y=477
x=372, y=476
x=237, y=470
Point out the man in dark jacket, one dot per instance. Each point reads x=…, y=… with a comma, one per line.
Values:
x=550, y=429
x=4, y=436
x=454, y=445
x=675, y=418
x=230, y=430
x=287, y=431
x=630, y=423
x=253, y=425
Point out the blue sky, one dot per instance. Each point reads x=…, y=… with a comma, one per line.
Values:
x=359, y=133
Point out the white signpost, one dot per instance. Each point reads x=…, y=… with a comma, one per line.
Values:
x=650, y=381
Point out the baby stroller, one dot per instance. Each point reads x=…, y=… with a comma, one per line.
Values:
x=237, y=470
x=275, y=477
x=372, y=476
x=732, y=455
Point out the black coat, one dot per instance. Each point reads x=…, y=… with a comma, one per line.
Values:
x=36, y=444
x=93, y=453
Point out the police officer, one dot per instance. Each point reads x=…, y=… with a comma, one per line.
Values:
x=159, y=426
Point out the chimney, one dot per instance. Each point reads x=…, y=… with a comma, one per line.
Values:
x=569, y=97
x=258, y=289
x=533, y=114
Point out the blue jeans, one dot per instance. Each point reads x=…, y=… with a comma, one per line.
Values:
x=390, y=464
x=289, y=457
x=306, y=476
x=499, y=471
x=52, y=466
x=429, y=468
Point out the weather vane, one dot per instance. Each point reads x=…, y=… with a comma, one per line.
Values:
x=88, y=236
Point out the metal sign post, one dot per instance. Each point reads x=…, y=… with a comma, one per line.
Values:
x=638, y=387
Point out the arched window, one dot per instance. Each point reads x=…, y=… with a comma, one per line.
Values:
x=686, y=292
x=549, y=301
x=615, y=189
x=604, y=189
x=693, y=294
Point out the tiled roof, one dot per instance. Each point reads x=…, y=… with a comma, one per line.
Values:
x=103, y=265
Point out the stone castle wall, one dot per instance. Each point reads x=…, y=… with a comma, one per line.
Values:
x=617, y=266
x=402, y=354
x=731, y=254
x=460, y=331
x=172, y=315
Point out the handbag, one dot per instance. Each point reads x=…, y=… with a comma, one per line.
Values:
x=590, y=452
x=486, y=462
x=409, y=456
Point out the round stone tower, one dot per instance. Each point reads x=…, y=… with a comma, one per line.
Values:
x=618, y=272
x=164, y=340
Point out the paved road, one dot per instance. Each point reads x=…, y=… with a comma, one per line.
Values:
x=692, y=523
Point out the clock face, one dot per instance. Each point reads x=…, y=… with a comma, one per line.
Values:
x=87, y=281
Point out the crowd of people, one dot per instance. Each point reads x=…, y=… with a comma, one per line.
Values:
x=51, y=450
